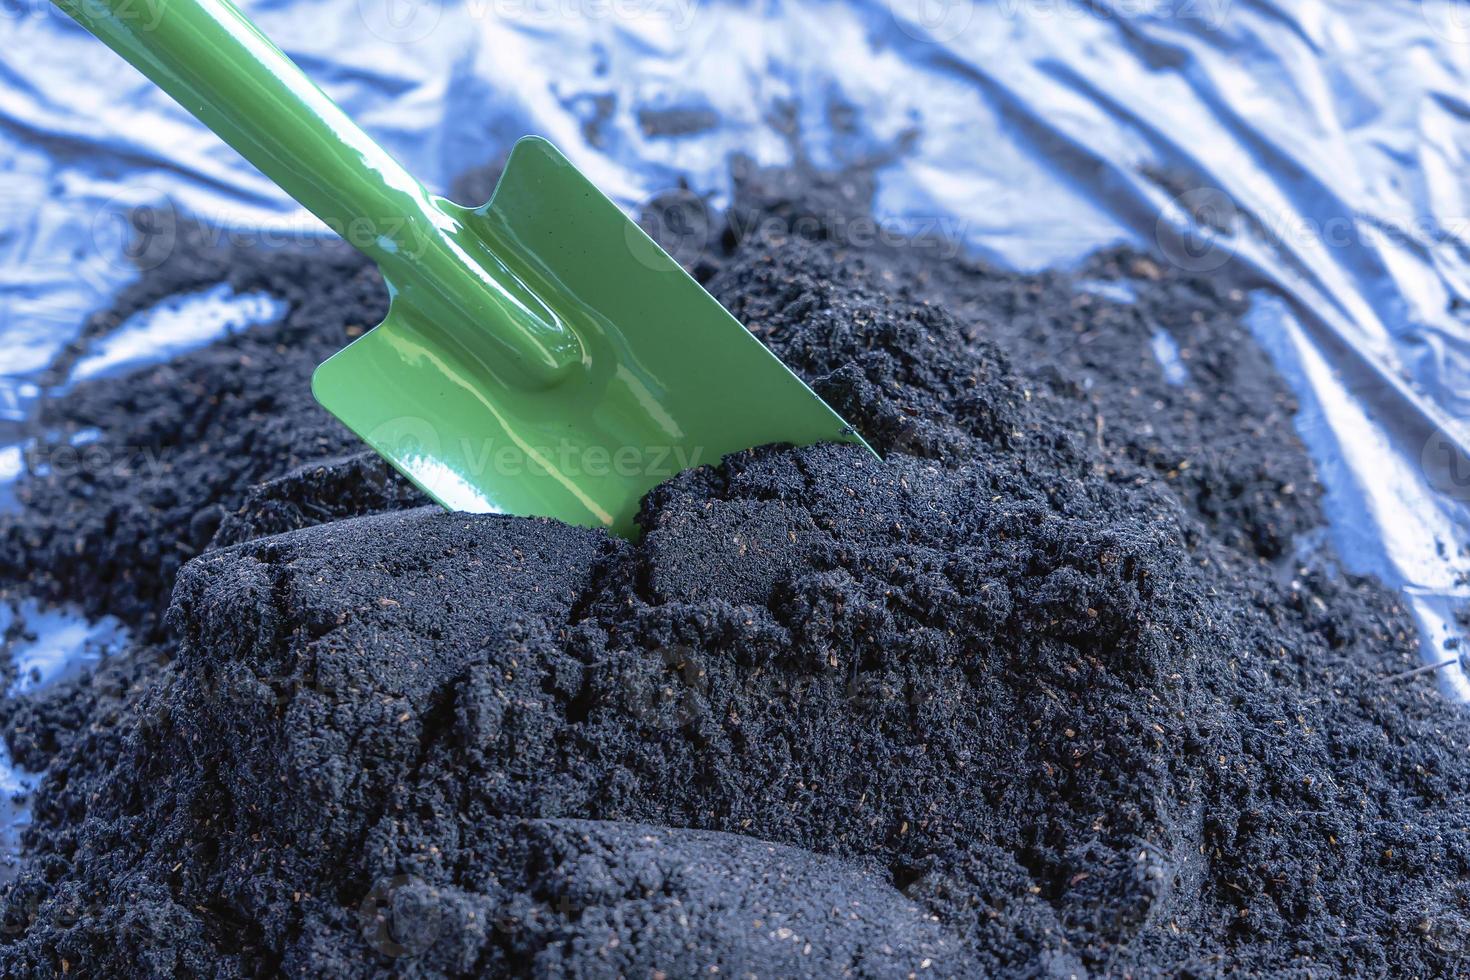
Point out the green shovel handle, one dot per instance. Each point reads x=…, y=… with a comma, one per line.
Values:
x=211, y=59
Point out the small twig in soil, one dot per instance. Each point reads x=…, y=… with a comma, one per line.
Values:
x=1462, y=659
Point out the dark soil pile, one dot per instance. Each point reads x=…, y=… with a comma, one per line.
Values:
x=110, y=524
x=1045, y=692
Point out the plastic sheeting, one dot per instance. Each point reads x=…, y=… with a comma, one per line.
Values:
x=1322, y=144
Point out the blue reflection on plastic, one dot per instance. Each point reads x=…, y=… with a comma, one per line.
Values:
x=1298, y=140
x=176, y=326
x=47, y=646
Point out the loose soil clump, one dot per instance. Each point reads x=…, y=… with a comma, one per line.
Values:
x=1048, y=691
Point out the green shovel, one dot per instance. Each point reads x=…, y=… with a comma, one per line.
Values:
x=541, y=355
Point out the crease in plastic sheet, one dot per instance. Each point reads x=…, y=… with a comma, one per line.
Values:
x=1322, y=145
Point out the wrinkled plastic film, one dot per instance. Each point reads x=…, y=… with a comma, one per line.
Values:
x=1322, y=146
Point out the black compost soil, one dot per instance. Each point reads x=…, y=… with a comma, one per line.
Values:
x=1051, y=691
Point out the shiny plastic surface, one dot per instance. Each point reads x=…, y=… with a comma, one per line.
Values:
x=541, y=355
x=669, y=379
x=1325, y=142
x=218, y=65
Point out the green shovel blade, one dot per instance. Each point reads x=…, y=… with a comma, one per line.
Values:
x=667, y=379
x=541, y=355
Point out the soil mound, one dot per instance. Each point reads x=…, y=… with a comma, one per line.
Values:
x=1042, y=693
